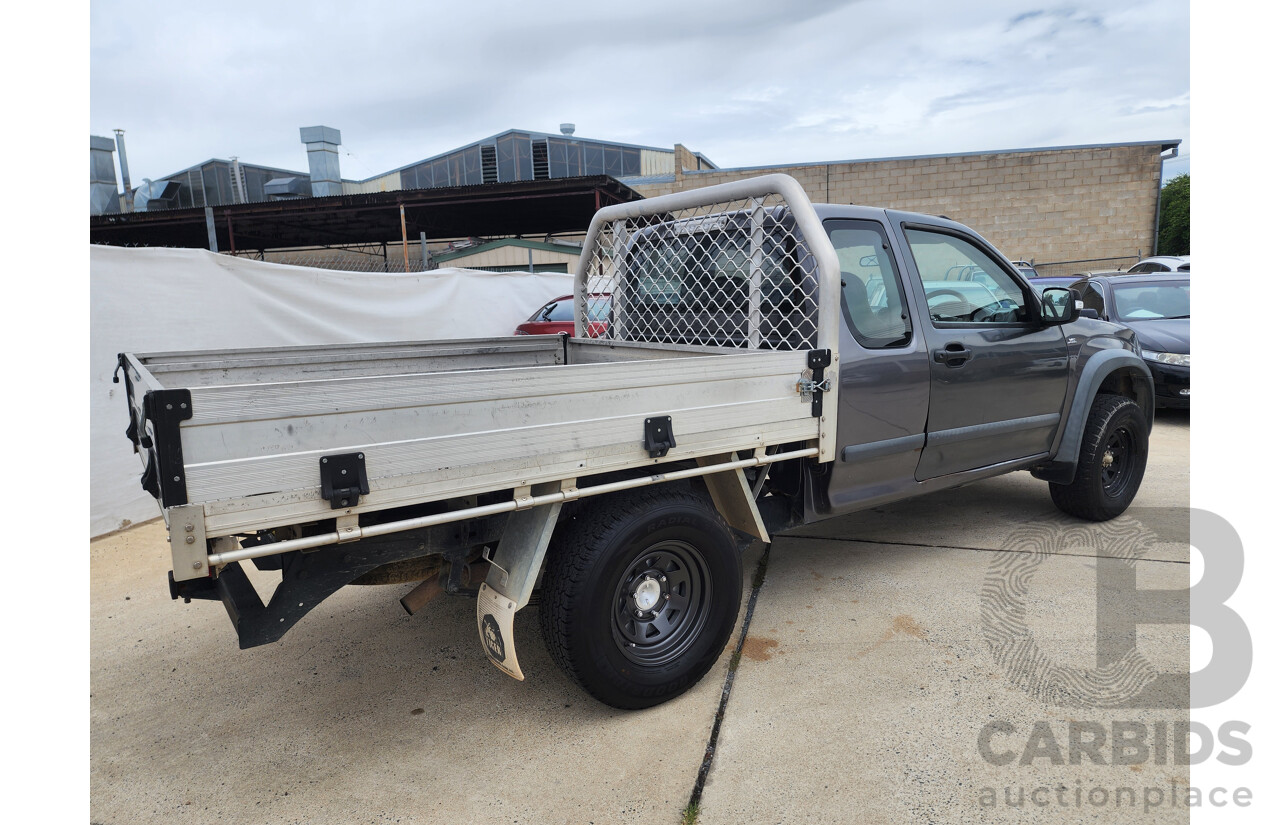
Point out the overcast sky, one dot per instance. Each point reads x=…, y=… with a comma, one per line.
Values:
x=746, y=83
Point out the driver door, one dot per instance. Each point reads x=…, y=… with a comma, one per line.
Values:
x=997, y=375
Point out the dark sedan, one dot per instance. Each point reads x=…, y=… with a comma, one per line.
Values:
x=1158, y=308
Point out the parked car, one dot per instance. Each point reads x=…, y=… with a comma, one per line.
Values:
x=1027, y=269
x=1157, y=307
x=1162, y=263
x=971, y=272
x=557, y=317
x=952, y=301
x=1056, y=298
x=946, y=300
x=1041, y=284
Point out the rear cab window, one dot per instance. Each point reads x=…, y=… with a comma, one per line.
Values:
x=872, y=298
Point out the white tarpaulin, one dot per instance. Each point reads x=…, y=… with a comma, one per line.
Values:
x=166, y=300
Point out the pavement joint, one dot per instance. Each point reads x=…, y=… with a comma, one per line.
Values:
x=961, y=547
x=757, y=581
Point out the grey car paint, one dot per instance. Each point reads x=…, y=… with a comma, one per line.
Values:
x=909, y=424
x=884, y=399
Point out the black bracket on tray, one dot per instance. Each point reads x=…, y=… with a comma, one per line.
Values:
x=166, y=473
x=818, y=361
x=343, y=479
x=658, y=435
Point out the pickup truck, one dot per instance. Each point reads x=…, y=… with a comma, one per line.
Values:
x=767, y=363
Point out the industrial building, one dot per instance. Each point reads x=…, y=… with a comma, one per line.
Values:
x=1069, y=207
x=513, y=155
x=512, y=255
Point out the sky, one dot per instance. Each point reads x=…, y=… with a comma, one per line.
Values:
x=746, y=83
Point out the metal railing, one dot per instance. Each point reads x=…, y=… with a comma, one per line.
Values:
x=365, y=258
x=740, y=265
x=1058, y=269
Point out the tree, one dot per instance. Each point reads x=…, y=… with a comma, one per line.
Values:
x=1175, y=217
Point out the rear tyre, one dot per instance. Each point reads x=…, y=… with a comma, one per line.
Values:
x=1113, y=459
x=640, y=595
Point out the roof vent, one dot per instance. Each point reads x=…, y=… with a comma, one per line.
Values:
x=290, y=187
x=567, y=128
x=153, y=196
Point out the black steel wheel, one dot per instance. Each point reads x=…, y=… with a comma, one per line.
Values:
x=660, y=603
x=1113, y=460
x=1117, y=466
x=640, y=594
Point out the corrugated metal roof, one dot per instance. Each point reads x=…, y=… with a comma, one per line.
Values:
x=641, y=180
x=243, y=165
x=535, y=207
x=530, y=133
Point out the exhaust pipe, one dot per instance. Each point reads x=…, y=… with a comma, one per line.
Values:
x=427, y=591
x=124, y=171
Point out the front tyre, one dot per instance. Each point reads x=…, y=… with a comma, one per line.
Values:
x=640, y=594
x=1113, y=459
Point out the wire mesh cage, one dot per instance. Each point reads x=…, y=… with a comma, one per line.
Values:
x=730, y=273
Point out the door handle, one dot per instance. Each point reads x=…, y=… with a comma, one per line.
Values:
x=953, y=355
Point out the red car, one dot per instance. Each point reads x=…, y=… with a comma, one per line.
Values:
x=557, y=316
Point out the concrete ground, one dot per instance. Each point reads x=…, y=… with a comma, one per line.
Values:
x=864, y=685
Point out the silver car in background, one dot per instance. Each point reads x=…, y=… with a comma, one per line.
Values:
x=1162, y=263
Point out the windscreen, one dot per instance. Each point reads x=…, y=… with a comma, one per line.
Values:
x=1144, y=302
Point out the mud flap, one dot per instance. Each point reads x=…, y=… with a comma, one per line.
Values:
x=733, y=497
x=495, y=618
x=515, y=566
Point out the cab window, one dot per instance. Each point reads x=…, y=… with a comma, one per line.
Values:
x=963, y=284
x=872, y=301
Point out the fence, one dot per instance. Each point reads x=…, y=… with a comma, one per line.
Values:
x=367, y=258
x=1058, y=269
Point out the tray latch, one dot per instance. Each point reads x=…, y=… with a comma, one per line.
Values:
x=343, y=479
x=658, y=436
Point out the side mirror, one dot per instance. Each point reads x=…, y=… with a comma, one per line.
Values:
x=1059, y=306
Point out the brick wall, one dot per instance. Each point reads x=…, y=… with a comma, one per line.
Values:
x=1046, y=205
